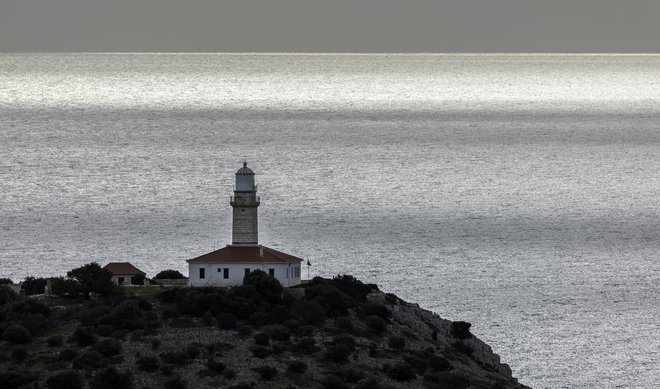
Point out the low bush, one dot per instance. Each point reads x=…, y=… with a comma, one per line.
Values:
x=298, y=367
x=169, y=275
x=55, y=340
x=215, y=365
x=109, y=347
x=262, y=338
x=344, y=324
x=65, y=379
x=463, y=347
x=396, y=343
x=68, y=354
x=17, y=334
x=337, y=353
x=7, y=295
x=111, y=378
x=351, y=375
x=19, y=354
x=178, y=357
x=175, y=383
x=307, y=345
x=375, y=324
x=16, y=379
x=260, y=351
x=333, y=382
x=84, y=336
x=6, y=281
x=266, y=372
x=148, y=363
x=438, y=363
x=90, y=360
x=229, y=374
x=400, y=371
x=226, y=321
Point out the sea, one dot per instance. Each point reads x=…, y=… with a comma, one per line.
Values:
x=519, y=193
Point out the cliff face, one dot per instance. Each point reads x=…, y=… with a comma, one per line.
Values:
x=476, y=358
x=337, y=333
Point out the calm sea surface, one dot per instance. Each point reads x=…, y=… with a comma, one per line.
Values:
x=519, y=193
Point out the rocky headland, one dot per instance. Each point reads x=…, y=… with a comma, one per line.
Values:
x=328, y=333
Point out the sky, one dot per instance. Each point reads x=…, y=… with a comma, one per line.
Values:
x=372, y=26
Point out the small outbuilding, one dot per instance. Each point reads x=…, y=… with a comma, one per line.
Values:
x=123, y=273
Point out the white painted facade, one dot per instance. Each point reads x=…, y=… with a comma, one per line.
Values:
x=288, y=274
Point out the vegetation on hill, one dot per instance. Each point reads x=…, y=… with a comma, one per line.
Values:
x=331, y=333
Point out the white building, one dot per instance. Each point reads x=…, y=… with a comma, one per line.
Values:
x=228, y=266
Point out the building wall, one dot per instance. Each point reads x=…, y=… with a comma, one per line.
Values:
x=127, y=280
x=285, y=273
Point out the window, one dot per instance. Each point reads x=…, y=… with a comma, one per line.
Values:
x=225, y=273
x=271, y=272
x=219, y=269
x=120, y=280
x=247, y=270
x=202, y=273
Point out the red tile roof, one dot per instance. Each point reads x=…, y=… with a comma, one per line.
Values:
x=245, y=254
x=123, y=269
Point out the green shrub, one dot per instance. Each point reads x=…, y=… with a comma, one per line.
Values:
x=371, y=383
x=266, y=372
x=307, y=345
x=333, y=382
x=84, y=336
x=68, y=354
x=245, y=330
x=346, y=340
x=65, y=287
x=16, y=379
x=109, y=347
x=278, y=332
x=111, y=378
x=17, y=334
x=89, y=360
x=215, y=365
x=262, y=338
x=260, y=351
x=6, y=281
x=438, y=363
x=178, y=357
x=375, y=324
x=7, y=295
x=55, y=340
x=226, y=320
x=400, y=371
x=418, y=363
x=148, y=363
x=337, y=353
x=298, y=367
x=175, y=383
x=344, y=324
x=155, y=344
x=138, y=279
x=229, y=374
x=65, y=379
x=169, y=275
x=19, y=354
x=268, y=287
x=370, y=309
x=35, y=323
x=351, y=375
x=451, y=381
x=396, y=343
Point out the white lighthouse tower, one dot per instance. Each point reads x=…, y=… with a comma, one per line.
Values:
x=245, y=226
x=229, y=265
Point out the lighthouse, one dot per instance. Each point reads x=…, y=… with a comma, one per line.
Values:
x=245, y=222
x=229, y=265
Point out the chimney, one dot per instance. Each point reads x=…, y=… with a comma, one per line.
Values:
x=261, y=251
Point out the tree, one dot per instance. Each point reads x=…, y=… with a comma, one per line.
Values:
x=93, y=278
x=33, y=285
x=266, y=285
x=169, y=275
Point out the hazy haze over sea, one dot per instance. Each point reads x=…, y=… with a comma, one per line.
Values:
x=517, y=192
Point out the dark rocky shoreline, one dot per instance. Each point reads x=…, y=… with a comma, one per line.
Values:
x=328, y=333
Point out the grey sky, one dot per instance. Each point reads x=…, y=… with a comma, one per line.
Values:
x=331, y=25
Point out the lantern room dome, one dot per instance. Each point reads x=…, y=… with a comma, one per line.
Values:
x=244, y=171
